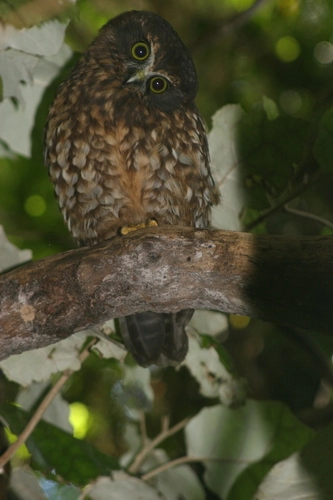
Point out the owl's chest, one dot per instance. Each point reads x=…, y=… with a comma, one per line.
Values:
x=108, y=175
x=139, y=172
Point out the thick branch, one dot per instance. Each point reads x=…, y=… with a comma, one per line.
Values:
x=280, y=279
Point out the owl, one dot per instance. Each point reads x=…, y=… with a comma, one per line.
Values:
x=126, y=148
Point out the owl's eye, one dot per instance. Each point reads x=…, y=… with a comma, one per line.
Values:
x=140, y=51
x=158, y=84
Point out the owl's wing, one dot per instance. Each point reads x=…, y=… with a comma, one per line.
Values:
x=156, y=338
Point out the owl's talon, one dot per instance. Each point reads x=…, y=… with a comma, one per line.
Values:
x=152, y=223
x=129, y=229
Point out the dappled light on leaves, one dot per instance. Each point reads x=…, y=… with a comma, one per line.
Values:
x=80, y=418
x=287, y=49
x=35, y=205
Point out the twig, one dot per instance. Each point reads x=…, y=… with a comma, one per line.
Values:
x=243, y=17
x=308, y=215
x=236, y=21
x=186, y=460
x=8, y=454
x=282, y=204
x=141, y=456
x=165, y=423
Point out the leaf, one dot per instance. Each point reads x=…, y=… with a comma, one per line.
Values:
x=25, y=485
x=138, y=378
x=56, y=491
x=317, y=459
x=209, y=322
x=16, y=67
x=214, y=379
x=56, y=413
x=106, y=347
x=175, y=482
x=43, y=40
x=17, y=122
x=179, y=482
x=253, y=157
x=323, y=146
x=306, y=474
x=289, y=479
x=10, y=255
x=226, y=167
x=54, y=450
x=245, y=443
x=121, y=487
x=39, y=364
x=269, y=151
x=134, y=392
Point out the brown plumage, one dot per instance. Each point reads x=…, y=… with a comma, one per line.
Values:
x=125, y=144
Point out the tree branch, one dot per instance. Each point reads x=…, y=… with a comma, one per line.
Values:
x=280, y=279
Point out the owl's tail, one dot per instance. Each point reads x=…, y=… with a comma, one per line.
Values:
x=156, y=338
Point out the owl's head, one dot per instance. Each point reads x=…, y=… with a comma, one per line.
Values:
x=145, y=56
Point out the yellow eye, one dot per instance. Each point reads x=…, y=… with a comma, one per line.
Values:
x=140, y=51
x=158, y=84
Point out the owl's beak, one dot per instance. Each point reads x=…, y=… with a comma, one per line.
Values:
x=139, y=76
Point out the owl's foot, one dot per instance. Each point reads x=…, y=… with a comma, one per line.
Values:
x=129, y=229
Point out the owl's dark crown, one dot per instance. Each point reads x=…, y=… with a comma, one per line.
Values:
x=163, y=73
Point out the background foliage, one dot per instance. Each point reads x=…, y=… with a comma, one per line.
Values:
x=269, y=63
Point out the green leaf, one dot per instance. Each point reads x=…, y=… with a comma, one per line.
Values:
x=244, y=443
x=225, y=358
x=269, y=151
x=307, y=474
x=54, y=450
x=323, y=150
